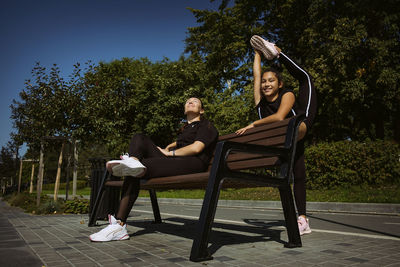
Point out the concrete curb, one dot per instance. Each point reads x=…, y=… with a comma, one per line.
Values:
x=360, y=208
x=356, y=208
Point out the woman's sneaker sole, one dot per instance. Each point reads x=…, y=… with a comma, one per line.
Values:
x=125, y=237
x=268, y=49
x=129, y=167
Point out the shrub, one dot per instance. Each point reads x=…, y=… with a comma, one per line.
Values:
x=348, y=163
x=76, y=206
x=50, y=207
x=27, y=202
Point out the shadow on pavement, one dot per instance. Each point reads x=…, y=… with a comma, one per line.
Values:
x=222, y=234
x=353, y=226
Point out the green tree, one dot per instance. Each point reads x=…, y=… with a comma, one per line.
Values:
x=351, y=48
x=49, y=106
x=8, y=162
x=128, y=96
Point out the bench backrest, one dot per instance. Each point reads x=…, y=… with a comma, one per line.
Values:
x=273, y=134
x=279, y=134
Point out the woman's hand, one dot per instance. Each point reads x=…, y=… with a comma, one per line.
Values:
x=170, y=146
x=165, y=151
x=243, y=130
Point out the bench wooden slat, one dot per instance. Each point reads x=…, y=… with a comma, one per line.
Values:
x=265, y=128
x=253, y=163
x=198, y=180
x=279, y=133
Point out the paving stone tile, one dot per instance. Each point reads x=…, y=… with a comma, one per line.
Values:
x=62, y=241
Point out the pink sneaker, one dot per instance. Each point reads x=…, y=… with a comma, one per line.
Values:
x=267, y=48
x=304, y=225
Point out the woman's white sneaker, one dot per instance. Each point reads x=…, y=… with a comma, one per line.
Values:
x=129, y=167
x=114, y=231
x=113, y=163
x=267, y=48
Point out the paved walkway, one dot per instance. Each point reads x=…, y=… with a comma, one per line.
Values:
x=62, y=240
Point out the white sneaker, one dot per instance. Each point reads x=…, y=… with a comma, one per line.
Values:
x=114, y=231
x=129, y=167
x=267, y=48
x=112, y=163
x=304, y=225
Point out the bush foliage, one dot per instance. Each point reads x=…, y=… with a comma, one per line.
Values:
x=27, y=202
x=346, y=163
x=76, y=206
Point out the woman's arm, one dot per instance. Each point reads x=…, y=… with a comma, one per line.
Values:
x=257, y=77
x=189, y=150
x=256, y=86
x=286, y=105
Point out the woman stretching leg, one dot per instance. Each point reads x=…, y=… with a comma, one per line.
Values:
x=274, y=103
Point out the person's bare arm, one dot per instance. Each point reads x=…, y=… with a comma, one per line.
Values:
x=257, y=77
x=189, y=150
x=284, y=109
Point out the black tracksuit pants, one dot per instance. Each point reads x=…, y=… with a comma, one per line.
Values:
x=307, y=103
x=157, y=165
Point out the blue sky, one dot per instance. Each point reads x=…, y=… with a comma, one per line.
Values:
x=69, y=31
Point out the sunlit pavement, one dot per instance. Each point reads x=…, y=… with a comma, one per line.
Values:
x=241, y=236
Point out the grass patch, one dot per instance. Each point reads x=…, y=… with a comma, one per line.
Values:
x=79, y=192
x=356, y=194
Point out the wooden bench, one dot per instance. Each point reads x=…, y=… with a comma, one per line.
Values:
x=270, y=146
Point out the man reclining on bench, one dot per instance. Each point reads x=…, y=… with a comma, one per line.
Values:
x=191, y=153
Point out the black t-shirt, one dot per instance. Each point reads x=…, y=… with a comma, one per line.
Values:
x=202, y=131
x=266, y=108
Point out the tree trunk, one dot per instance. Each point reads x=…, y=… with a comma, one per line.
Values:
x=33, y=172
x=75, y=174
x=57, y=184
x=40, y=175
x=20, y=176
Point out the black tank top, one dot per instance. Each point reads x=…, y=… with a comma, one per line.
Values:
x=266, y=108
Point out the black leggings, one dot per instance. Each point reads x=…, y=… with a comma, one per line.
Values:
x=157, y=165
x=307, y=103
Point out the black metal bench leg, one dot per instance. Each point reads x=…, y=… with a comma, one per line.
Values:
x=199, y=250
x=154, y=204
x=93, y=214
x=290, y=217
x=200, y=243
